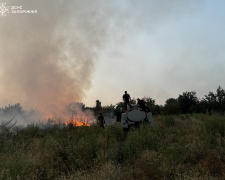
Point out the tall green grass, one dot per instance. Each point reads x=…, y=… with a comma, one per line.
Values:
x=177, y=147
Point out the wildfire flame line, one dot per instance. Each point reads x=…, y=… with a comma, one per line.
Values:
x=73, y=121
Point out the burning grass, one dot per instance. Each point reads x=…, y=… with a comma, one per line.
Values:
x=77, y=122
x=177, y=147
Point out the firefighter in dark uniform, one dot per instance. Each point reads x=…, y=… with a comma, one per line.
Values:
x=141, y=104
x=126, y=100
x=101, y=121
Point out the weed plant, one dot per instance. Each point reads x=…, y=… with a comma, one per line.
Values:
x=177, y=147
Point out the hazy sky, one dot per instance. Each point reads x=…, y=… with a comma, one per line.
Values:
x=84, y=50
x=183, y=51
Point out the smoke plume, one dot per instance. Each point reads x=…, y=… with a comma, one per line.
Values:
x=47, y=59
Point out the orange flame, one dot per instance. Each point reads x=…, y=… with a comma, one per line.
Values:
x=77, y=123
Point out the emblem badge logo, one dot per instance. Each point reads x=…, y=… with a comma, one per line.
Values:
x=3, y=9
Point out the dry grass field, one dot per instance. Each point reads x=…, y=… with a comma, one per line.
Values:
x=177, y=147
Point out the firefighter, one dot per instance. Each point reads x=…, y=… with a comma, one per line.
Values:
x=141, y=104
x=126, y=100
x=101, y=121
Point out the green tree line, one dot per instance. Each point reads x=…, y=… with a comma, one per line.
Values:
x=185, y=103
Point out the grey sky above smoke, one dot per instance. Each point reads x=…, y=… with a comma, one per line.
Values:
x=48, y=59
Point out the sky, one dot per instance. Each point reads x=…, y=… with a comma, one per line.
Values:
x=184, y=53
x=86, y=50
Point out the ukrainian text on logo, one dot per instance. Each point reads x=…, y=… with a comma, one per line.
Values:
x=14, y=10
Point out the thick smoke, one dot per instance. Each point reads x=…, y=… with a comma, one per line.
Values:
x=16, y=114
x=73, y=112
x=47, y=59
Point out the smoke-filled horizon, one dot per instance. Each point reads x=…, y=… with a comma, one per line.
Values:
x=76, y=51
